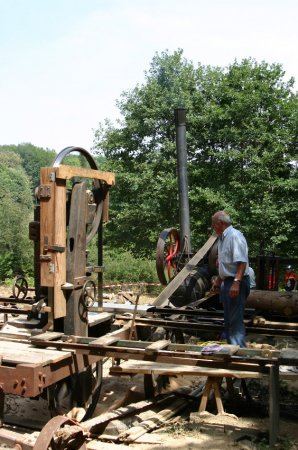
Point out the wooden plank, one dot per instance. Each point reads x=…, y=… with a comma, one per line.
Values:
x=113, y=337
x=48, y=336
x=105, y=340
x=66, y=172
x=180, y=277
x=42, y=309
x=96, y=318
x=158, y=345
x=148, y=367
x=20, y=353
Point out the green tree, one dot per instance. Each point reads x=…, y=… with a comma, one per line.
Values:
x=16, y=253
x=142, y=153
x=32, y=158
x=242, y=148
x=248, y=137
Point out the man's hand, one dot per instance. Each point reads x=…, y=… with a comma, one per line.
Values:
x=216, y=282
x=235, y=289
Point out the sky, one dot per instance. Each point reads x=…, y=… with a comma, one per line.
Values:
x=64, y=63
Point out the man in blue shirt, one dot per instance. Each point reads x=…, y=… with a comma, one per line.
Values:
x=233, y=276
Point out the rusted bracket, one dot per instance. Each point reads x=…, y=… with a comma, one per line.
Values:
x=43, y=191
x=54, y=248
x=45, y=258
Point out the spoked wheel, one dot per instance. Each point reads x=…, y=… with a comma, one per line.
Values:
x=167, y=254
x=89, y=294
x=20, y=288
x=80, y=390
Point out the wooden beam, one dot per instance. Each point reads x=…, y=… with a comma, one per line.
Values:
x=66, y=172
x=149, y=367
x=180, y=277
x=53, y=235
x=158, y=345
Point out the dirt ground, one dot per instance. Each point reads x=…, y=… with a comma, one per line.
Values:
x=246, y=430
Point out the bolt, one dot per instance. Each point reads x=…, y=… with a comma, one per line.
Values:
x=15, y=384
x=23, y=381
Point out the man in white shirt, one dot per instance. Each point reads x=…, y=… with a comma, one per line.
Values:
x=233, y=276
x=252, y=278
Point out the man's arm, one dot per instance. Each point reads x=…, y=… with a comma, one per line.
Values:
x=235, y=288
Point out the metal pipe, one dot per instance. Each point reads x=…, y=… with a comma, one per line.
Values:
x=180, y=123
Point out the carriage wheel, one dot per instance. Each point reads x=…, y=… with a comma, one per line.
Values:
x=78, y=390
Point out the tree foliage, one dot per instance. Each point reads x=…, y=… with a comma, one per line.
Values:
x=242, y=153
x=16, y=206
x=32, y=159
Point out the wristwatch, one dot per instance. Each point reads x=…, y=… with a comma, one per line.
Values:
x=237, y=279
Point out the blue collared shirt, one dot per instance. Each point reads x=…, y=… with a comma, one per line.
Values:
x=232, y=250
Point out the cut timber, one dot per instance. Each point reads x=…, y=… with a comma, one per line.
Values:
x=180, y=277
x=148, y=367
x=20, y=353
x=113, y=337
x=48, y=336
x=66, y=172
x=156, y=420
x=158, y=345
x=96, y=318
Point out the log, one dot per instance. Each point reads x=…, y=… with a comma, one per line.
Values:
x=284, y=302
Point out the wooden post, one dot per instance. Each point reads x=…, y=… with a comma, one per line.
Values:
x=76, y=320
x=53, y=237
x=273, y=404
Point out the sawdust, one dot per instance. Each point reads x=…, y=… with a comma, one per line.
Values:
x=247, y=430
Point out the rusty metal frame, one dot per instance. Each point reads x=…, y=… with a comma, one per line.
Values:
x=30, y=380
